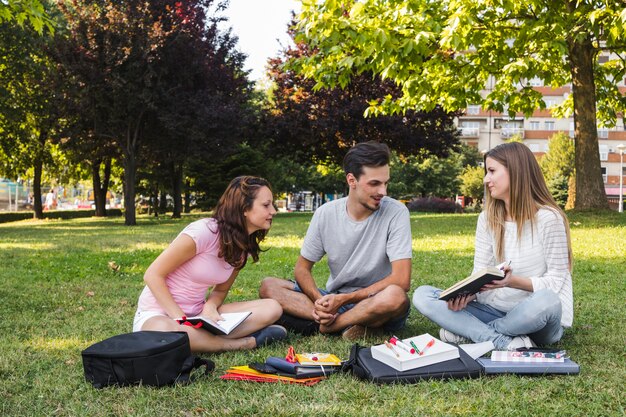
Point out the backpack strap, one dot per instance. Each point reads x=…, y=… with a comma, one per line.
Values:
x=191, y=363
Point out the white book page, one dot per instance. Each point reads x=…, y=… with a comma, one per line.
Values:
x=231, y=320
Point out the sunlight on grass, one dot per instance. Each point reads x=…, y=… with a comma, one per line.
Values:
x=28, y=246
x=288, y=241
x=51, y=345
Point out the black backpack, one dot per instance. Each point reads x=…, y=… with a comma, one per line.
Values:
x=146, y=357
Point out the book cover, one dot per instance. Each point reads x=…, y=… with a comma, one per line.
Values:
x=567, y=367
x=300, y=371
x=473, y=283
x=527, y=356
x=222, y=327
x=327, y=359
x=401, y=360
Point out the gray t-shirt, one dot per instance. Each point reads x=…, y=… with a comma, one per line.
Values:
x=359, y=253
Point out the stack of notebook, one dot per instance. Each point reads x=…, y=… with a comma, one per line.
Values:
x=310, y=369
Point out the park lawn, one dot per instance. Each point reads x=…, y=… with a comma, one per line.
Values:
x=59, y=295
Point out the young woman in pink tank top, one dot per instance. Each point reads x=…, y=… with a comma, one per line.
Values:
x=210, y=253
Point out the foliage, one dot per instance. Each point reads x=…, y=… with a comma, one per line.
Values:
x=285, y=174
x=321, y=125
x=82, y=300
x=443, y=53
x=30, y=86
x=472, y=183
x=58, y=214
x=559, y=158
x=433, y=205
x=571, y=192
x=424, y=175
x=557, y=165
x=161, y=84
x=428, y=175
x=21, y=11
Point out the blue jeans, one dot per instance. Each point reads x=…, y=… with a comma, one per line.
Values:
x=538, y=316
x=391, y=326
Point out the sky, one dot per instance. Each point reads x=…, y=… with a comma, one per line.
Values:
x=260, y=24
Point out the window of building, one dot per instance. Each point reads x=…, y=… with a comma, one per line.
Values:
x=470, y=128
x=473, y=109
x=604, y=176
x=535, y=82
x=534, y=125
x=603, y=132
x=548, y=125
x=604, y=152
x=534, y=147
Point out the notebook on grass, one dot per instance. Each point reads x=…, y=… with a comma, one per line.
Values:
x=567, y=367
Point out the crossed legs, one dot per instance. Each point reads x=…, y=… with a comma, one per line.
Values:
x=264, y=313
x=375, y=311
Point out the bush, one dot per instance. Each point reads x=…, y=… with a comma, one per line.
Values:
x=434, y=205
x=14, y=216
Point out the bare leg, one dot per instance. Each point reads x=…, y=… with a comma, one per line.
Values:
x=293, y=302
x=264, y=313
x=375, y=311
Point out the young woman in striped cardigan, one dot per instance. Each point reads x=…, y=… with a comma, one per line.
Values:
x=520, y=223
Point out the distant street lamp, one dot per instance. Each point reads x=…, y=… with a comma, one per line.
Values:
x=621, y=148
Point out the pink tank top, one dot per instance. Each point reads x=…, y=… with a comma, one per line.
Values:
x=190, y=281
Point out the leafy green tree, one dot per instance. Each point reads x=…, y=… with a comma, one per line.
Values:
x=30, y=120
x=557, y=166
x=443, y=53
x=424, y=175
x=472, y=183
x=320, y=125
x=559, y=158
x=21, y=11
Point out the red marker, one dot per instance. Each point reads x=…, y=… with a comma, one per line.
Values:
x=399, y=343
x=428, y=345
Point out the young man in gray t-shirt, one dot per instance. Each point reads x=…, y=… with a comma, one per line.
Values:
x=367, y=240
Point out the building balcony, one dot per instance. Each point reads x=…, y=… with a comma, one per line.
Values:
x=469, y=132
x=508, y=132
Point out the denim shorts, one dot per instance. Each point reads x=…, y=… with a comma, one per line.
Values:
x=391, y=326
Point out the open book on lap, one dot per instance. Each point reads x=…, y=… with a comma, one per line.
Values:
x=473, y=283
x=222, y=327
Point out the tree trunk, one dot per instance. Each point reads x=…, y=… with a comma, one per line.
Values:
x=130, y=171
x=590, y=193
x=101, y=186
x=162, y=201
x=156, y=201
x=187, y=207
x=177, y=186
x=37, y=204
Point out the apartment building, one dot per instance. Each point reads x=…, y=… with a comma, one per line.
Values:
x=486, y=129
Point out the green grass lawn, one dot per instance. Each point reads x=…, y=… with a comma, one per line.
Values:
x=58, y=296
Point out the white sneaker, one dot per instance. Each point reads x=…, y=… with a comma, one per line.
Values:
x=449, y=337
x=521, y=342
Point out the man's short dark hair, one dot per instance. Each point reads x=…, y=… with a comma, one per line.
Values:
x=365, y=154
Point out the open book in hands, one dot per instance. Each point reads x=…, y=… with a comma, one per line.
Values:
x=473, y=283
x=222, y=327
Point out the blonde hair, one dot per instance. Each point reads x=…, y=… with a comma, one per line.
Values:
x=528, y=193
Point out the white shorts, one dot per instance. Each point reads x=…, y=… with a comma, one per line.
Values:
x=142, y=316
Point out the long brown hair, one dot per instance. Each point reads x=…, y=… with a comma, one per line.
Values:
x=528, y=193
x=235, y=242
